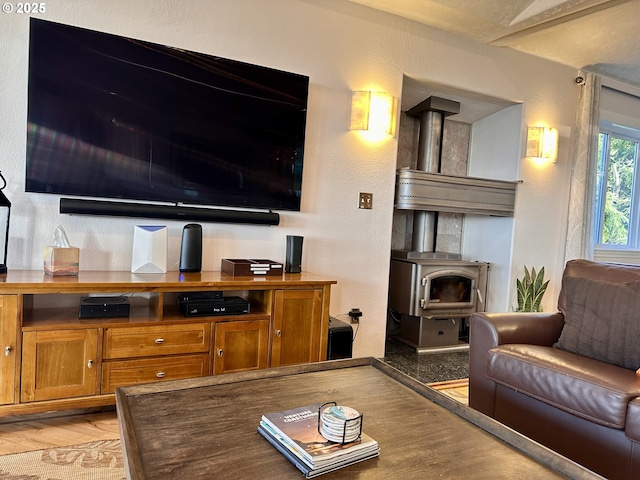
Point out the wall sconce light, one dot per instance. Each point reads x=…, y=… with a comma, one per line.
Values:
x=5, y=210
x=542, y=142
x=373, y=112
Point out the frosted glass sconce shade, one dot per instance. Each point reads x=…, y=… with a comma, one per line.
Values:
x=373, y=112
x=542, y=142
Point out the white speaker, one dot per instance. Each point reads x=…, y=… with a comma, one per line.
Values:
x=149, y=253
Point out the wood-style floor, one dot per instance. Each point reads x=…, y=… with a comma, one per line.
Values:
x=36, y=432
x=456, y=389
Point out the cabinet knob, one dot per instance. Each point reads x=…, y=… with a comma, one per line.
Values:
x=90, y=363
x=159, y=341
x=220, y=352
x=160, y=374
x=7, y=350
x=278, y=333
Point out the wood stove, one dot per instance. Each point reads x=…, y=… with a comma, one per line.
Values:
x=435, y=298
x=433, y=294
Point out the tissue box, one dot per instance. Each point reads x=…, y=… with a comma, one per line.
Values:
x=61, y=261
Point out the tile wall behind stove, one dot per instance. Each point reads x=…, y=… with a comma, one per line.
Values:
x=455, y=155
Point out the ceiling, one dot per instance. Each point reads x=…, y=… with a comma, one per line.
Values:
x=600, y=36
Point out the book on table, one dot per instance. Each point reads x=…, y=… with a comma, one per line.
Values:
x=295, y=434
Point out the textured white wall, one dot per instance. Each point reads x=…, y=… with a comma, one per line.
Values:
x=342, y=47
x=495, y=153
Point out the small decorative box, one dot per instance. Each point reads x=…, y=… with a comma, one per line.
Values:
x=250, y=267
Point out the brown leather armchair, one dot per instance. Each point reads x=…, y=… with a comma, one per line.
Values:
x=584, y=408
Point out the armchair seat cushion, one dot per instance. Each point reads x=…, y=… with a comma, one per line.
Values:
x=591, y=389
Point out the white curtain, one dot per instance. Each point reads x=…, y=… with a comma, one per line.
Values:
x=581, y=220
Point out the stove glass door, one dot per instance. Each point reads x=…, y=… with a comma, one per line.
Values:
x=448, y=289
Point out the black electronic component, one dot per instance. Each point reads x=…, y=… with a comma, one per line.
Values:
x=340, y=344
x=293, y=261
x=171, y=132
x=200, y=296
x=81, y=206
x=104, y=307
x=205, y=308
x=191, y=248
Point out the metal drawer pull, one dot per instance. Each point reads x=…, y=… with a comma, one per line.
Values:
x=7, y=351
x=160, y=374
x=90, y=363
x=220, y=352
x=159, y=340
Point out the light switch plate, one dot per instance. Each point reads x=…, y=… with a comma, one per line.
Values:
x=365, y=201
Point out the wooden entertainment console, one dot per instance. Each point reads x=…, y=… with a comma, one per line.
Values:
x=51, y=359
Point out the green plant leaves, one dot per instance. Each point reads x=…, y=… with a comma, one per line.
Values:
x=530, y=290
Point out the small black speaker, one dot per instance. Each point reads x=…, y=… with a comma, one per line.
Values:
x=293, y=262
x=191, y=248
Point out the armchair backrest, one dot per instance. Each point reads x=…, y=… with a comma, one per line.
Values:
x=610, y=272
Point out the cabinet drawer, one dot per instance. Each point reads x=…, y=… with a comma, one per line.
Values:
x=121, y=373
x=131, y=342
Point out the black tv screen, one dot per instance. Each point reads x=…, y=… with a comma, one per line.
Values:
x=114, y=117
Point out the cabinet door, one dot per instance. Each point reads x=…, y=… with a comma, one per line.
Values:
x=242, y=345
x=297, y=327
x=59, y=364
x=8, y=355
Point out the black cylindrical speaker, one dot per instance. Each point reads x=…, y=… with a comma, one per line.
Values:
x=191, y=248
x=293, y=261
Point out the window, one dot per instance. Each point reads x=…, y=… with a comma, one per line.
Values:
x=618, y=188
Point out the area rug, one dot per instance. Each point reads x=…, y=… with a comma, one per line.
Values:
x=455, y=389
x=99, y=460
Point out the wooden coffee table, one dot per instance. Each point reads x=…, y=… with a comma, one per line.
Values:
x=207, y=428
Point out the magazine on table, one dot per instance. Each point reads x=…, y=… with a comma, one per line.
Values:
x=305, y=468
x=295, y=434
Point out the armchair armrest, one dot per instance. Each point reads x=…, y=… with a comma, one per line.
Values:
x=488, y=330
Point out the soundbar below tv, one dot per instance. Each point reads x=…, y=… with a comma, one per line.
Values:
x=76, y=206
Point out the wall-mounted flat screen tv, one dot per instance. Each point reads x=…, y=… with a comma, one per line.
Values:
x=113, y=117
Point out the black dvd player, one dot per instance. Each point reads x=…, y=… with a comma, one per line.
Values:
x=223, y=306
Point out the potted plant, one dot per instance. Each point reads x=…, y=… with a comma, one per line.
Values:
x=530, y=290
